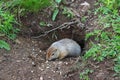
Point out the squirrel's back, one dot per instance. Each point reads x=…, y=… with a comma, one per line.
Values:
x=66, y=47
x=69, y=45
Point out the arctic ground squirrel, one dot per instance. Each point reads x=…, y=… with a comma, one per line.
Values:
x=63, y=48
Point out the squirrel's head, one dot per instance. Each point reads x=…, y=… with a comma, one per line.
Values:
x=52, y=53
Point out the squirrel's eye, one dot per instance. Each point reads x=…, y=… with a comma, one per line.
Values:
x=52, y=54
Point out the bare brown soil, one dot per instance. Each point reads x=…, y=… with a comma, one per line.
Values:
x=26, y=59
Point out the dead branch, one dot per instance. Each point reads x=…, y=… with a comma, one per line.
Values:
x=64, y=25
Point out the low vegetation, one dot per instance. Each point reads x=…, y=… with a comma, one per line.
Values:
x=7, y=21
x=107, y=35
x=9, y=11
x=84, y=74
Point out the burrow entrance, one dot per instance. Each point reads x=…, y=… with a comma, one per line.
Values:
x=54, y=30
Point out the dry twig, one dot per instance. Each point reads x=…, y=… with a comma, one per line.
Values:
x=64, y=25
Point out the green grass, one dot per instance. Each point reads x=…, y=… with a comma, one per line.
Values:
x=35, y=5
x=4, y=45
x=108, y=36
x=12, y=9
x=7, y=28
x=6, y=24
x=85, y=73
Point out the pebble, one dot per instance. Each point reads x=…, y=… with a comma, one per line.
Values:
x=53, y=71
x=47, y=67
x=73, y=0
x=66, y=63
x=60, y=62
x=40, y=68
x=32, y=71
x=46, y=61
x=18, y=60
x=40, y=51
x=60, y=73
x=49, y=77
x=33, y=63
x=18, y=41
x=41, y=78
x=33, y=41
x=33, y=49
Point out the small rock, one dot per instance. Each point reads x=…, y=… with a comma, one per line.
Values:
x=43, y=65
x=40, y=68
x=33, y=63
x=36, y=55
x=33, y=49
x=32, y=71
x=41, y=78
x=73, y=0
x=33, y=41
x=54, y=62
x=60, y=62
x=24, y=58
x=49, y=77
x=66, y=63
x=18, y=61
x=60, y=73
x=40, y=51
x=47, y=67
x=53, y=71
x=17, y=41
x=46, y=61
